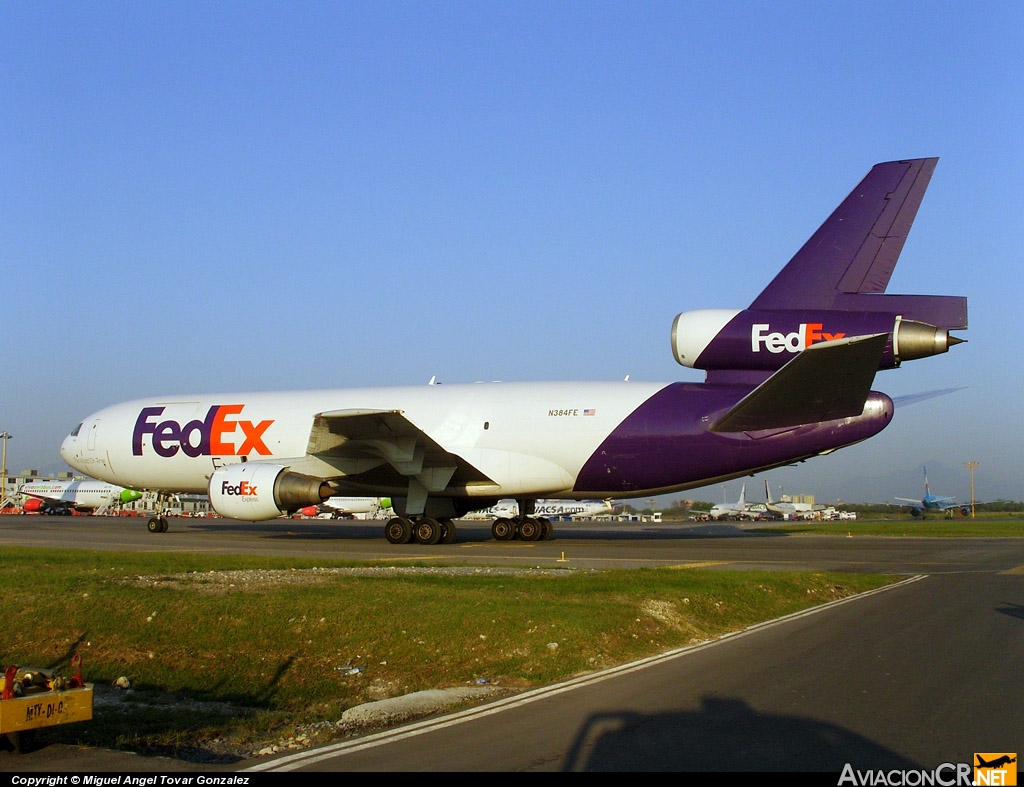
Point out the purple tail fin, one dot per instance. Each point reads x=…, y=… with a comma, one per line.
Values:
x=847, y=263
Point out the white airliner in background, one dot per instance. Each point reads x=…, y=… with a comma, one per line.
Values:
x=359, y=507
x=797, y=510
x=552, y=509
x=62, y=497
x=741, y=509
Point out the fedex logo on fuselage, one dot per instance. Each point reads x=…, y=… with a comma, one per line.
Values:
x=213, y=436
x=775, y=342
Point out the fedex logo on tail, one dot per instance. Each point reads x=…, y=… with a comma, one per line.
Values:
x=775, y=342
x=216, y=435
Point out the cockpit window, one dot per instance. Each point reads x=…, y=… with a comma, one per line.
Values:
x=75, y=431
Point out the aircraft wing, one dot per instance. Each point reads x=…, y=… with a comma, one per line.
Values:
x=384, y=445
x=935, y=504
x=828, y=380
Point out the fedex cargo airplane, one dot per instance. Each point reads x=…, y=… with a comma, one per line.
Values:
x=62, y=497
x=787, y=378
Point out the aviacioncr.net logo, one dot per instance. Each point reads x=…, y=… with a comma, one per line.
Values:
x=995, y=768
x=949, y=774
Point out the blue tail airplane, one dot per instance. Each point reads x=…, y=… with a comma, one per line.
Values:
x=931, y=502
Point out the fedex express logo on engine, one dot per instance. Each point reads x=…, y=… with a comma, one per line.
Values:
x=216, y=435
x=774, y=342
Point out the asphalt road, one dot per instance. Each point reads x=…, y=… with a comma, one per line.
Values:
x=925, y=673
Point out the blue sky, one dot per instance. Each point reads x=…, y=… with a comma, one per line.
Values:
x=201, y=197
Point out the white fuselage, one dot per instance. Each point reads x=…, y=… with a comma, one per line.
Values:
x=77, y=494
x=528, y=438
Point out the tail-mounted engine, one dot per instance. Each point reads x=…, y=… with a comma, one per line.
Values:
x=714, y=339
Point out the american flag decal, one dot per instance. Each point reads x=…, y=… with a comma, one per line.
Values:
x=590, y=412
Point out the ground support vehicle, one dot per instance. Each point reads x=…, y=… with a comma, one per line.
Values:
x=32, y=698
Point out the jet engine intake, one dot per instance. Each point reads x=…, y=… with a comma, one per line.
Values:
x=254, y=492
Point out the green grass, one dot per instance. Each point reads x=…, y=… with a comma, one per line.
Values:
x=284, y=651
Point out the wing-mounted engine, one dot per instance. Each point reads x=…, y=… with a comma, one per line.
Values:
x=254, y=491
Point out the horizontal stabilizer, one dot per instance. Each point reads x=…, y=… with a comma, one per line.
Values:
x=827, y=381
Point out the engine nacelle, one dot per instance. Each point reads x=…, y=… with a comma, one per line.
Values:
x=725, y=339
x=253, y=491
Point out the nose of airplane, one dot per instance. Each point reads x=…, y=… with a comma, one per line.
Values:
x=69, y=452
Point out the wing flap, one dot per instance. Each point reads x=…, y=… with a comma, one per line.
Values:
x=827, y=381
x=386, y=441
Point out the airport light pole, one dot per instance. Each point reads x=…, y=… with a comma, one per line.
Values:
x=5, y=436
x=970, y=466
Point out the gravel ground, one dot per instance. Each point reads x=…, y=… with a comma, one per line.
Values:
x=223, y=581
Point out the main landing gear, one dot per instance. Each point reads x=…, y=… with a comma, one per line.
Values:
x=426, y=530
x=421, y=530
x=524, y=528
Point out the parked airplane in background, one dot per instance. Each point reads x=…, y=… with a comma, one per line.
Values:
x=60, y=498
x=574, y=509
x=741, y=509
x=798, y=510
x=358, y=507
x=552, y=509
x=787, y=379
x=931, y=503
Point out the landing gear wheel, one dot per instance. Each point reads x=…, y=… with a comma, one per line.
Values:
x=447, y=531
x=163, y=524
x=546, y=528
x=153, y=525
x=529, y=529
x=398, y=530
x=427, y=531
x=503, y=529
